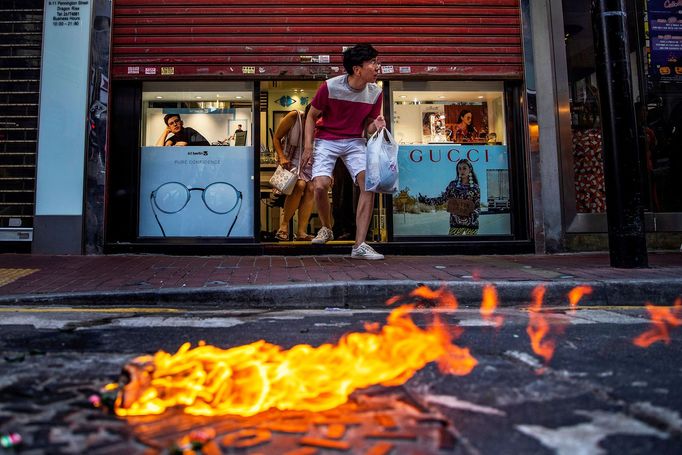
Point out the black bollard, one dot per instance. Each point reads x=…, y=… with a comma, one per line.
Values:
x=620, y=138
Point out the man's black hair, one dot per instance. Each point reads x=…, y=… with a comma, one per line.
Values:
x=170, y=116
x=357, y=55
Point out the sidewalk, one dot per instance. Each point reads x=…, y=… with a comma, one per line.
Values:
x=325, y=281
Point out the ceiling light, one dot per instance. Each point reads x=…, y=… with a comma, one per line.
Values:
x=403, y=96
x=238, y=97
x=198, y=97
x=480, y=97
x=441, y=97
x=159, y=97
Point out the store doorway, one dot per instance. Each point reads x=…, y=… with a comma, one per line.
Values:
x=286, y=220
x=281, y=117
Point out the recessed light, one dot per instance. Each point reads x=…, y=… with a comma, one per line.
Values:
x=238, y=97
x=217, y=95
x=403, y=96
x=198, y=97
x=159, y=97
x=480, y=97
x=441, y=97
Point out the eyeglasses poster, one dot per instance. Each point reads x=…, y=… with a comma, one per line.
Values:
x=452, y=190
x=196, y=191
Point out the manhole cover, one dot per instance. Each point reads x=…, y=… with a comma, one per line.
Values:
x=380, y=421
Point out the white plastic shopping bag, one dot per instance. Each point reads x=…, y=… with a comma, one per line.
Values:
x=381, y=175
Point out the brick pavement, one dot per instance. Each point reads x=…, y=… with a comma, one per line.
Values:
x=40, y=274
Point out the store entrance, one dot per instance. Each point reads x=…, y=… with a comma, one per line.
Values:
x=292, y=219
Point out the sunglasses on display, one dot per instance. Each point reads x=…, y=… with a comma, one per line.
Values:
x=220, y=198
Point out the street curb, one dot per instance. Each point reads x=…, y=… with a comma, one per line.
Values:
x=362, y=294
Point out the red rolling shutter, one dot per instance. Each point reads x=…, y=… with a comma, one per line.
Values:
x=305, y=38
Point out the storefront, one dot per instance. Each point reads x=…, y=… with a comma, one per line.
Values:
x=231, y=76
x=655, y=38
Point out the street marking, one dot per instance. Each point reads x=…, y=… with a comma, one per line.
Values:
x=584, y=438
x=669, y=417
x=455, y=403
x=8, y=276
x=605, y=317
x=88, y=310
x=552, y=309
x=174, y=321
x=524, y=358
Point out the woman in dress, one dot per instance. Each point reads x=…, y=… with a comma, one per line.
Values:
x=288, y=143
x=463, y=199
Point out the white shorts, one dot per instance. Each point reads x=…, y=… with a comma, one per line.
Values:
x=353, y=152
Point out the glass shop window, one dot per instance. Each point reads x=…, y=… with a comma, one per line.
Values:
x=453, y=159
x=196, y=160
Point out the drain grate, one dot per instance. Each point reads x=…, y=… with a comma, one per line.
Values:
x=379, y=421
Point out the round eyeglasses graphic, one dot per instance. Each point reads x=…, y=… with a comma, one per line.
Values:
x=219, y=197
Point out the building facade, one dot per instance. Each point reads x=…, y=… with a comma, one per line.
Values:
x=519, y=73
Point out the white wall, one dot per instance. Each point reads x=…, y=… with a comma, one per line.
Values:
x=407, y=124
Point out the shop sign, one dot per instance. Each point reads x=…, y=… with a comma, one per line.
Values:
x=196, y=191
x=665, y=33
x=314, y=58
x=63, y=97
x=167, y=70
x=424, y=205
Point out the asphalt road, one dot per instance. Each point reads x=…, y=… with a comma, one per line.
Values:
x=598, y=394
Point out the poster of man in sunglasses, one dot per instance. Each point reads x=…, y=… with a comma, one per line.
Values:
x=177, y=134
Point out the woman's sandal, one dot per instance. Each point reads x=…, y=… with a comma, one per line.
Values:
x=282, y=235
x=304, y=238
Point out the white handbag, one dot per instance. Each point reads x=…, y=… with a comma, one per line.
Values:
x=284, y=180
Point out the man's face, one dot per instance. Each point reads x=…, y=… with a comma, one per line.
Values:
x=175, y=124
x=369, y=71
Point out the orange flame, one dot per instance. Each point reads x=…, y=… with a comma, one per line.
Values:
x=249, y=379
x=576, y=294
x=489, y=304
x=442, y=297
x=538, y=328
x=661, y=319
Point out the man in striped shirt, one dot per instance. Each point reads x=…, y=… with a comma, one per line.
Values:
x=344, y=109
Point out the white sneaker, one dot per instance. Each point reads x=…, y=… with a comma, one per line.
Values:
x=323, y=236
x=365, y=251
